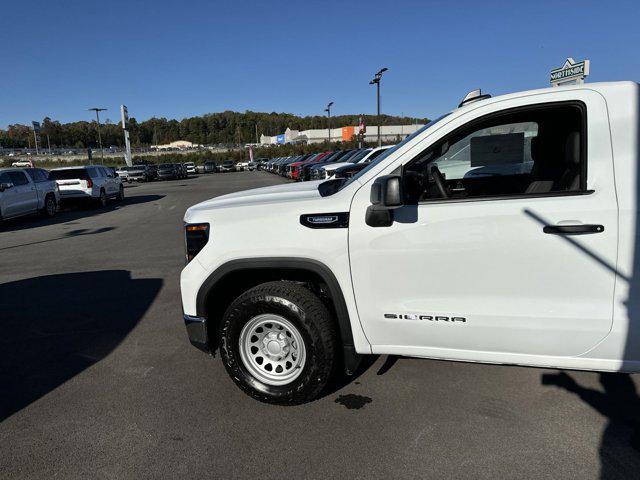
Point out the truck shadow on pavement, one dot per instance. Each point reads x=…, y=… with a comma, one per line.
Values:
x=619, y=401
x=56, y=326
x=620, y=404
x=72, y=212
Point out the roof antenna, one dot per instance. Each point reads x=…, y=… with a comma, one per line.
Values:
x=473, y=96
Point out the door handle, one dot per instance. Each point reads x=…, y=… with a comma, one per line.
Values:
x=572, y=229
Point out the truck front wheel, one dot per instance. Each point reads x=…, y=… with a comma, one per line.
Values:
x=278, y=343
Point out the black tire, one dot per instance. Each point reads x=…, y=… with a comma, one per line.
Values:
x=50, y=207
x=120, y=197
x=312, y=319
x=102, y=200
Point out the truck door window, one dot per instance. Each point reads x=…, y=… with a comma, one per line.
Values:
x=18, y=178
x=532, y=151
x=39, y=175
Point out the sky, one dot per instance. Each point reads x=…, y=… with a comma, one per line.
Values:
x=178, y=59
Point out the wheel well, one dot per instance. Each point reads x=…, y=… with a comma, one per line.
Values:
x=233, y=284
x=226, y=284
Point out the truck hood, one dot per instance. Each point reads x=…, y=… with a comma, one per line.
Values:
x=291, y=192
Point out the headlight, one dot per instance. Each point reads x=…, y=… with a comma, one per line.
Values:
x=196, y=237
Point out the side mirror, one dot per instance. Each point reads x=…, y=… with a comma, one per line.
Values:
x=386, y=192
x=386, y=196
x=5, y=186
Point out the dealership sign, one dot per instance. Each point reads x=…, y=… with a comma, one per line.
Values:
x=280, y=139
x=571, y=72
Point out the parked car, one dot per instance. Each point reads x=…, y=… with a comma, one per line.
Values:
x=169, y=171
x=492, y=234
x=95, y=184
x=344, y=157
x=260, y=163
x=22, y=164
x=227, y=166
x=210, y=167
x=191, y=168
x=152, y=171
x=305, y=173
x=138, y=173
x=347, y=170
x=27, y=191
x=251, y=166
x=291, y=169
x=123, y=173
x=326, y=170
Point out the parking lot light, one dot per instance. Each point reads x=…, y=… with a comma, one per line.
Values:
x=376, y=81
x=328, y=110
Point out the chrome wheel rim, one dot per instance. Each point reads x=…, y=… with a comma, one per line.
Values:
x=272, y=349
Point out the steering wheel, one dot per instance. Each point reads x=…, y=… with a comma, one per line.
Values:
x=440, y=182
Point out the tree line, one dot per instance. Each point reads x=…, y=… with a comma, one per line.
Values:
x=222, y=129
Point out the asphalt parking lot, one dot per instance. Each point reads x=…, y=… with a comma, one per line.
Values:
x=98, y=379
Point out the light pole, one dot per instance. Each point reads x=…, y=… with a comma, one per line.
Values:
x=328, y=110
x=98, y=110
x=376, y=81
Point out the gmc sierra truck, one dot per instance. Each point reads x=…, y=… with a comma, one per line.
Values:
x=502, y=232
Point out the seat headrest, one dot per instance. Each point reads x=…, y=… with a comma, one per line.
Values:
x=572, y=149
x=536, y=148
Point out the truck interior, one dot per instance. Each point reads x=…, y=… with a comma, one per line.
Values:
x=531, y=151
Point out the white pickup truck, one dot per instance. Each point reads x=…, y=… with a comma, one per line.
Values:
x=505, y=231
x=27, y=191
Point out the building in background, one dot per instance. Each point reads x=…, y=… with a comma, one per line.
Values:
x=388, y=133
x=177, y=145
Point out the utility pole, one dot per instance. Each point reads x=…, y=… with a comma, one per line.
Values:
x=36, y=131
x=376, y=82
x=49, y=143
x=257, y=139
x=98, y=110
x=35, y=139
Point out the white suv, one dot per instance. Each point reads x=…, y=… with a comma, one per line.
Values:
x=93, y=183
x=506, y=231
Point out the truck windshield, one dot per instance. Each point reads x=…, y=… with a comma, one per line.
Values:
x=390, y=151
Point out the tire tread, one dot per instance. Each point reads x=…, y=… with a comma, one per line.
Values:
x=316, y=318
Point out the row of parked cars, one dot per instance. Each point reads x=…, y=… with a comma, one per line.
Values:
x=25, y=191
x=323, y=165
x=228, y=166
x=150, y=172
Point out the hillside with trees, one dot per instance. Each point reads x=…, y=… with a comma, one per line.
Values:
x=223, y=129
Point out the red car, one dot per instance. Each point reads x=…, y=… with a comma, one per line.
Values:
x=295, y=167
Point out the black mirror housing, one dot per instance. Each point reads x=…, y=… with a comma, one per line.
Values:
x=387, y=192
x=5, y=186
x=386, y=195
